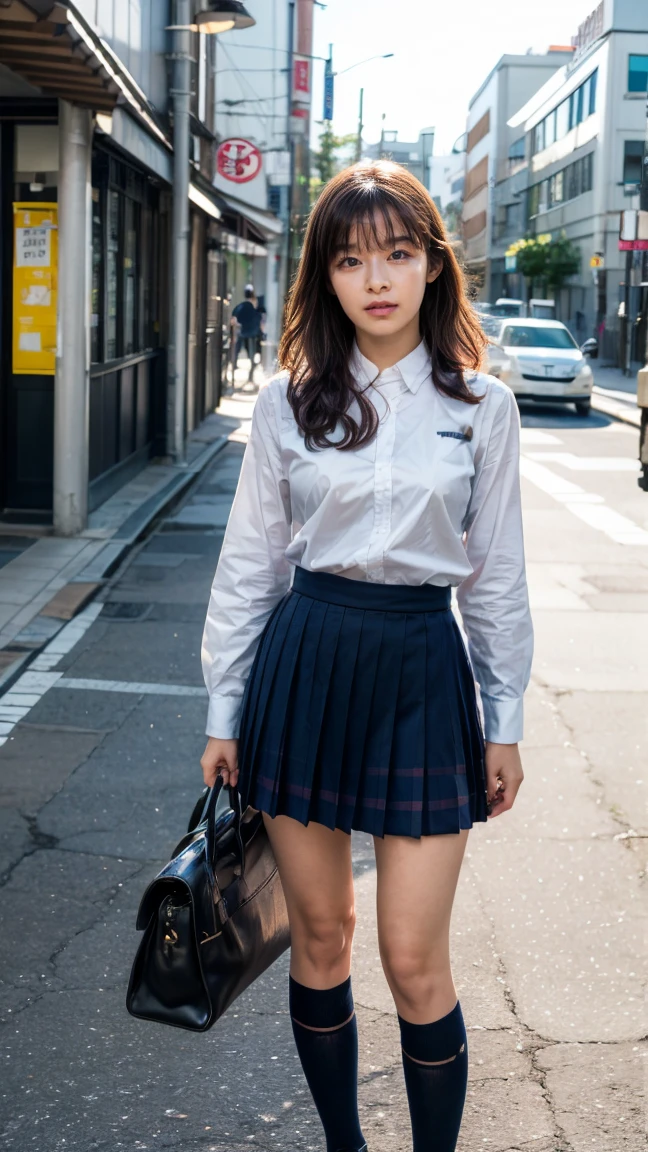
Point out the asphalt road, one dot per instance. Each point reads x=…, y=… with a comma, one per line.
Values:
x=98, y=779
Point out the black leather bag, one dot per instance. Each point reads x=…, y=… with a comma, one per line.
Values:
x=214, y=918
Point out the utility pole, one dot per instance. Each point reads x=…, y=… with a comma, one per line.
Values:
x=181, y=94
x=642, y=375
x=382, y=136
x=72, y=380
x=358, y=151
x=290, y=144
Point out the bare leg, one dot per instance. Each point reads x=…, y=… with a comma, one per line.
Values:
x=315, y=869
x=417, y=880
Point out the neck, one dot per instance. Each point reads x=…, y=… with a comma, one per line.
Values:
x=385, y=351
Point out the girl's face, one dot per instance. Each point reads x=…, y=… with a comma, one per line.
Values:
x=381, y=283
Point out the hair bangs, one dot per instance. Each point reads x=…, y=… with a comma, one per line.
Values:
x=369, y=216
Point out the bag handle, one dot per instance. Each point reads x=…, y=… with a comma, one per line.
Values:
x=217, y=825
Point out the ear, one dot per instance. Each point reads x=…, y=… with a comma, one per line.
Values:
x=435, y=268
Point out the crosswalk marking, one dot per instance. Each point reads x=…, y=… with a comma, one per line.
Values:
x=587, y=463
x=587, y=506
x=132, y=686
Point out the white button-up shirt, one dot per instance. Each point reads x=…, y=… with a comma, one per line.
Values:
x=434, y=498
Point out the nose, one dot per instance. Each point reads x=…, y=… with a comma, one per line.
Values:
x=378, y=277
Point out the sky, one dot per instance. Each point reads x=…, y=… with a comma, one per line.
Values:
x=443, y=50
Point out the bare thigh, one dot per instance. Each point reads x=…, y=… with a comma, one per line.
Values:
x=315, y=868
x=417, y=881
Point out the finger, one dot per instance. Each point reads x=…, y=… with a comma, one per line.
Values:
x=234, y=775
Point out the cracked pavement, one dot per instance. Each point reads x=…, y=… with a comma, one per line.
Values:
x=549, y=920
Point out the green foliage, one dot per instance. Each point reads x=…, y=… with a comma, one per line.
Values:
x=546, y=260
x=327, y=160
x=452, y=217
x=564, y=260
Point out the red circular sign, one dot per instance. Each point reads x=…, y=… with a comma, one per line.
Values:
x=238, y=160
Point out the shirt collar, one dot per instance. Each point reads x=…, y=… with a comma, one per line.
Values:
x=413, y=369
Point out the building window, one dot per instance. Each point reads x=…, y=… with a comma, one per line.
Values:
x=125, y=271
x=567, y=184
x=556, y=188
x=570, y=112
x=97, y=286
x=511, y=217
x=632, y=161
x=590, y=97
x=562, y=119
x=637, y=73
x=550, y=128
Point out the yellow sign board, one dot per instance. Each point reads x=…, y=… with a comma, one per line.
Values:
x=596, y=261
x=35, y=278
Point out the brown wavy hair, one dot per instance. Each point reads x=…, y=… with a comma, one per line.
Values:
x=318, y=335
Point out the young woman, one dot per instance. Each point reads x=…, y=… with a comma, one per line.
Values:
x=381, y=471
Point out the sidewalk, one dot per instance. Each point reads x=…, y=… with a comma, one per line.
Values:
x=616, y=394
x=45, y=580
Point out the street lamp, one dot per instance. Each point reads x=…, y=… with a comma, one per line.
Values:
x=385, y=56
x=221, y=16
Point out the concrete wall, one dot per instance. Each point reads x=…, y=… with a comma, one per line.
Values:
x=249, y=68
x=135, y=31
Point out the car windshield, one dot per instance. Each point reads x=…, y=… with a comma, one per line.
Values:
x=525, y=336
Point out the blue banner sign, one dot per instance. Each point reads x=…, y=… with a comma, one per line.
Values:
x=328, y=90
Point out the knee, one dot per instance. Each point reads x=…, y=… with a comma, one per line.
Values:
x=415, y=978
x=324, y=939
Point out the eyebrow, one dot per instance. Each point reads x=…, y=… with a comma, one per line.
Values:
x=391, y=244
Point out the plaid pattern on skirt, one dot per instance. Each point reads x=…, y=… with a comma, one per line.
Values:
x=360, y=711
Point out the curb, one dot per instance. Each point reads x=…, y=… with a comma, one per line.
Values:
x=624, y=413
x=103, y=565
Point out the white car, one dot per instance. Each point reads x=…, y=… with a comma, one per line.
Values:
x=540, y=360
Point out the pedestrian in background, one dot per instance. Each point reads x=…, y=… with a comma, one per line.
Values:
x=246, y=316
x=382, y=469
x=261, y=309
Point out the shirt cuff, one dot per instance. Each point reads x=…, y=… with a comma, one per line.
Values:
x=503, y=719
x=223, y=717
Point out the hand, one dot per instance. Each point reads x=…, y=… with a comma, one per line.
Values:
x=503, y=776
x=220, y=758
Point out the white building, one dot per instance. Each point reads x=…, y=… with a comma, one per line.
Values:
x=493, y=147
x=585, y=130
x=252, y=107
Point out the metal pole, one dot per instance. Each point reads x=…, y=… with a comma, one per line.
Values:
x=358, y=152
x=642, y=375
x=181, y=93
x=71, y=384
x=628, y=329
x=290, y=142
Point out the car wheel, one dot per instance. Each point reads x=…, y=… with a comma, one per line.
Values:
x=583, y=407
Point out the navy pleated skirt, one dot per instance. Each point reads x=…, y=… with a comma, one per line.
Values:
x=360, y=711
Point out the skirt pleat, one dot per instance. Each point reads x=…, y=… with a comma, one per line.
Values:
x=359, y=716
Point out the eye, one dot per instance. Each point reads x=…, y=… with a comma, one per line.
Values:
x=349, y=262
x=399, y=256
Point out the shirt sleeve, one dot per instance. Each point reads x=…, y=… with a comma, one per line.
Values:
x=252, y=572
x=494, y=600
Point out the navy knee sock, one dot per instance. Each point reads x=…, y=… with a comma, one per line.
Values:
x=326, y=1035
x=435, y=1061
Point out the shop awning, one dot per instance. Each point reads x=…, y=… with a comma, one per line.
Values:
x=265, y=224
x=53, y=47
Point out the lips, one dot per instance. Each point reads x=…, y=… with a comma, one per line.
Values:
x=385, y=308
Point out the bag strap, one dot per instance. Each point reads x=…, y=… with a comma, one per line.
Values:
x=216, y=826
